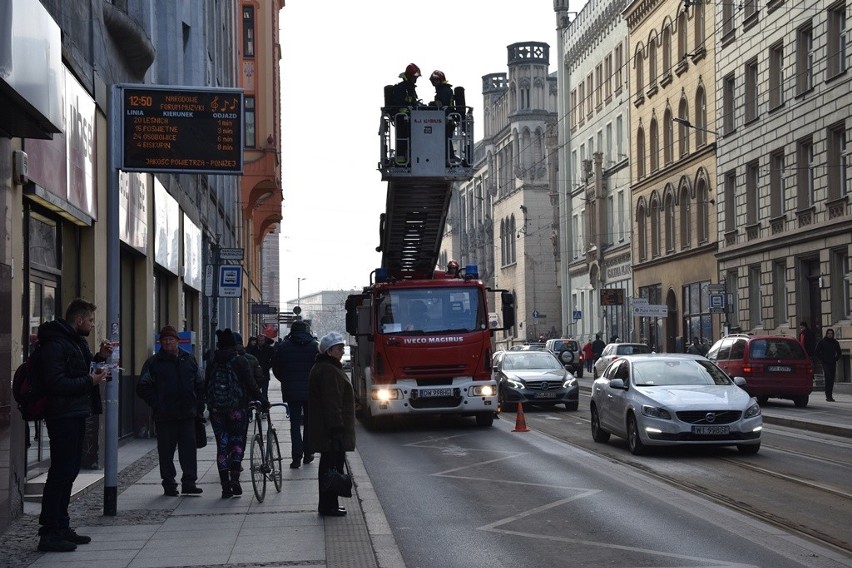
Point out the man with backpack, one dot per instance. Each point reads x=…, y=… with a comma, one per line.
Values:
x=72, y=387
x=172, y=386
x=292, y=365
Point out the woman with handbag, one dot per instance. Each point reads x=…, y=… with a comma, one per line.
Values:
x=331, y=417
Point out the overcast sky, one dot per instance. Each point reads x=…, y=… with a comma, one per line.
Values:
x=337, y=56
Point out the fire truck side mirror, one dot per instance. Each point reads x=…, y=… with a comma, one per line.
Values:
x=508, y=301
x=352, y=315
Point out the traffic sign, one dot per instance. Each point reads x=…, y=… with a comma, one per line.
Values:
x=639, y=301
x=535, y=314
x=230, y=281
x=715, y=287
x=577, y=314
x=230, y=254
x=208, y=280
x=650, y=310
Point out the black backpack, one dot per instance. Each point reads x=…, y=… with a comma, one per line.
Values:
x=224, y=390
x=27, y=389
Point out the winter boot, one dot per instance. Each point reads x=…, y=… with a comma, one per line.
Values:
x=236, y=489
x=226, y=484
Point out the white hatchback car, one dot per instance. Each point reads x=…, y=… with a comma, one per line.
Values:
x=615, y=350
x=670, y=399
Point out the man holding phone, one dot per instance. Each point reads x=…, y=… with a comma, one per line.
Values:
x=72, y=386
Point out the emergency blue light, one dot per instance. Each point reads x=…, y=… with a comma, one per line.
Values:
x=471, y=271
x=382, y=275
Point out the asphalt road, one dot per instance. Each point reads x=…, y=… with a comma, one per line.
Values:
x=458, y=495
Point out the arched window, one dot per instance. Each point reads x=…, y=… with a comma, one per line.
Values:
x=525, y=152
x=668, y=137
x=700, y=117
x=640, y=75
x=502, y=242
x=655, y=146
x=670, y=222
x=652, y=61
x=640, y=153
x=655, y=227
x=698, y=17
x=702, y=197
x=685, y=215
x=682, y=48
x=642, y=240
x=513, y=237
x=683, y=114
x=667, y=49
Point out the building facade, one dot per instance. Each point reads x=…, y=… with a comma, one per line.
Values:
x=595, y=177
x=55, y=224
x=672, y=66
x=784, y=109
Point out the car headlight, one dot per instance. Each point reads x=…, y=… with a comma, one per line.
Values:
x=752, y=411
x=482, y=390
x=515, y=384
x=569, y=382
x=656, y=412
x=384, y=395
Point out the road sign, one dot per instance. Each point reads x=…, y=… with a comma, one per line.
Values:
x=650, y=310
x=577, y=314
x=535, y=314
x=639, y=301
x=261, y=309
x=612, y=296
x=230, y=254
x=208, y=280
x=230, y=281
x=717, y=302
x=715, y=288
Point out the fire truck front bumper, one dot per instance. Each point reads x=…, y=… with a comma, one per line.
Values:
x=460, y=397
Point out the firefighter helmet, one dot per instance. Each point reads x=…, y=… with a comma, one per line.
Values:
x=438, y=76
x=412, y=71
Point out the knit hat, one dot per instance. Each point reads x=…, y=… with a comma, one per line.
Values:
x=225, y=338
x=238, y=338
x=328, y=341
x=298, y=325
x=168, y=331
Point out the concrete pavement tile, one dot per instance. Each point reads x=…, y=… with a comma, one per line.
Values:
x=186, y=549
x=89, y=559
x=130, y=532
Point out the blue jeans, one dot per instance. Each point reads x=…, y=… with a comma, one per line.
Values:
x=299, y=444
x=66, y=451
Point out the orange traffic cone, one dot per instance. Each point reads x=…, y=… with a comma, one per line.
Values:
x=520, y=421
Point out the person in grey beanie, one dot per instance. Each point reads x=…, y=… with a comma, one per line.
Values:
x=291, y=365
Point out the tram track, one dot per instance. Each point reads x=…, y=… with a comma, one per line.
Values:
x=737, y=499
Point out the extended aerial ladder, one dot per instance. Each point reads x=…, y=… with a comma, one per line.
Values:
x=423, y=151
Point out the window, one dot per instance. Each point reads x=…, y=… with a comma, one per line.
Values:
x=668, y=137
x=700, y=117
x=727, y=18
x=248, y=31
x=641, y=229
x=655, y=228
x=640, y=77
x=667, y=50
x=749, y=10
x=730, y=201
x=836, y=40
x=640, y=153
x=777, y=189
x=805, y=174
x=619, y=65
x=619, y=136
x=608, y=76
x=573, y=109
x=776, y=76
x=751, y=80
x=699, y=21
x=599, y=85
x=728, y=93
x=732, y=287
x=655, y=146
x=612, y=159
x=702, y=194
x=779, y=292
x=685, y=214
x=755, y=319
x=670, y=222
x=590, y=109
x=578, y=238
x=622, y=230
x=683, y=114
x=752, y=193
x=652, y=63
x=805, y=59
x=250, y=130
x=841, y=271
x=681, y=38
x=836, y=163
x=581, y=118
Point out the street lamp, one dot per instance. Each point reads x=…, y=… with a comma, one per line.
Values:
x=299, y=292
x=687, y=124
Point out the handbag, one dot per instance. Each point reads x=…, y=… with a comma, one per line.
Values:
x=339, y=483
x=200, y=433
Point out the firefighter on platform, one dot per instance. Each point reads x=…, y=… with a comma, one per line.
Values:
x=443, y=90
x=403, y=96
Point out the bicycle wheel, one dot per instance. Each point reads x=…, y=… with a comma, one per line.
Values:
x=273, y=458
x=258, y=477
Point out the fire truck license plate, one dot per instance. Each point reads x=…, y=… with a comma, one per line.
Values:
x=430, y=393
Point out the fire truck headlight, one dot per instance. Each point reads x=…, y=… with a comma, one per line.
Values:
x=384, y=395
x=483, y=390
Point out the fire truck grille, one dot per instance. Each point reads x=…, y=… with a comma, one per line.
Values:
x=433, y=372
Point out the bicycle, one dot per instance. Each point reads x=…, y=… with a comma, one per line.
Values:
x=265, y=453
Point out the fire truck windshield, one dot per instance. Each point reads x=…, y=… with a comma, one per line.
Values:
x=432, y=311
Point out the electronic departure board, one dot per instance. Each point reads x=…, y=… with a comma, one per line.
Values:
x=179, y=129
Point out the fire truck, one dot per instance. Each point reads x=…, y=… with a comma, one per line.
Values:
x=423, y=336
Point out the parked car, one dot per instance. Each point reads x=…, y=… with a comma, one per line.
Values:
x=569, y=352
x=528, y=347
x=774, y=366
x=533, y=377
x=615, y=350
x=669, y=399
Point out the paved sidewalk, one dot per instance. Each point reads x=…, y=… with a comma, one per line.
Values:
x=151, y=529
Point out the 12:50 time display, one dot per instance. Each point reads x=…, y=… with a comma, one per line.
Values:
x=140, y=100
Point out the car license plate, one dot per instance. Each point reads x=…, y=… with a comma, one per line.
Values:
x=431, y=393
x=710, y=430
x=780, y=369
x=545, y=395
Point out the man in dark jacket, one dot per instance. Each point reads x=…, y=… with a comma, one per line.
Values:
x=71, y=384
x=292, y=367
x=597, y=347
x=172, y=386
x=404, y=96
x=264, y=353
x=828, y=353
